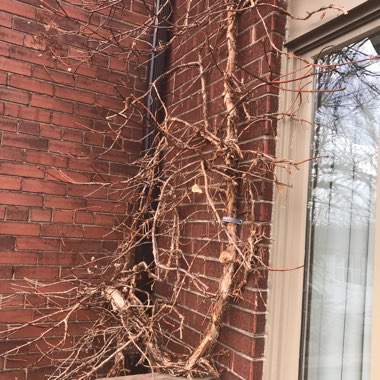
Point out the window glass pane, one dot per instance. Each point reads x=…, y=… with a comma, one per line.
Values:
x=338, y=283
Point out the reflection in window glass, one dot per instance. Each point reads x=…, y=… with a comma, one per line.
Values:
x=338, y=283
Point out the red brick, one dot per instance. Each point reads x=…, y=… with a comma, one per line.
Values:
x=12, y=36
x=96, y=86
x=213, y=268
x=71, y=121
x=16, y=258
x=71, y=94
x=12, y=375
x=109, y=102
x=104, y=206
x=89, y=165
x=65, y=203
x=29, y=332
x=101, y=233
x=5, y=272
x=38, y=157
x=12, y=154
x=28, y=55
x=36, y=272
x=63, y=216
x=61, y=230
x=15, y=316
x=13, y=302
x=20, y=199
x=8, y=124
x=9, y=345
x=28, y=113
x=22, y=141
x=84, y=217
x=90, y=191
x=3, y=81
x=7, y=242
x=72, y=135
x=6, y=20
x=50, y=131
x=225, y=374
x=69, y=148
x=47, y=102
x=110, y=246
x=53, y=76
x=29, y=243
x=110, y=155
x=4, y=49
x=17, y=213
x=253, y=300
x=2, y=212
x=15, y=7
x=101, y=60
x=12, y=95
x=88, y=111
x=29, y=127
x=122, y=169
x=104, y=219
x=93, y=138
x=85, y=315
x=142, y=7
x=38, y=215
x=45, y=345
x=59, y=259
x=67, y=175
x=82, y=246
x=22, y=361
x=263, y=211
x=10, y=183
x=22, y=170
x=27, y=26
x=35, y=42
x=76, y=67
x=247, y=369
x=45, y=187
x=26, y=83
x=10, y=65
x=78, y=13
x=13, y=228
x=118, y=64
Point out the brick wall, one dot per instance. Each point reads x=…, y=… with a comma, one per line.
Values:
x=242, y=338
x=54, y=139
x=54, y=135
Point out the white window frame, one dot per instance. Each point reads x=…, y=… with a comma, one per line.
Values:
x=284, y=307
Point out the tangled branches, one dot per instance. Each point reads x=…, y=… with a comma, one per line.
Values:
x=202, y=178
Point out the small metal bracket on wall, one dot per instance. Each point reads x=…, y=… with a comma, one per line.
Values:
x=229, y=219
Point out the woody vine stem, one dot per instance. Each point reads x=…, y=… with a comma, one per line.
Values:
x=232, y=157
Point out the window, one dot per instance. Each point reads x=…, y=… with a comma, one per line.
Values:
x=322, y=320
x=337, y=301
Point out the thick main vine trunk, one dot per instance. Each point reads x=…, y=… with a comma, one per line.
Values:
x=231, y=160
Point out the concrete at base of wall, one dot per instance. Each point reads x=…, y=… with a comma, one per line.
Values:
x=146, y=376
x=149, y=376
